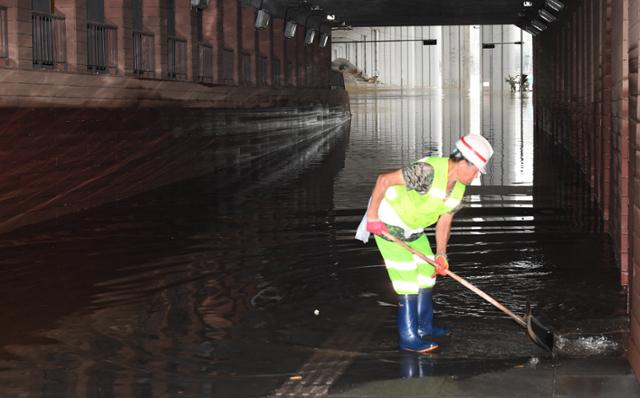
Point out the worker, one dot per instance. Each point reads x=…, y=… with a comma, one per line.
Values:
x=403, y=203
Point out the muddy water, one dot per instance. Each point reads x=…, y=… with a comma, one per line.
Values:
x=215, y=287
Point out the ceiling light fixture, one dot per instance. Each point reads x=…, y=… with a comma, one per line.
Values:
x=555, y=5
x=546, y=15
x=290, y=29
x=200, y=4
x=324, y=40
x=310, y=36
x=262, y=18
x=538, y=25
x=290, y=26
x=310, y=33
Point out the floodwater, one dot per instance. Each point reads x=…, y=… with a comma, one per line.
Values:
x=217, y=288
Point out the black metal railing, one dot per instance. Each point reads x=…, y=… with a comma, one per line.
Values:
x=49, y=44
x=4, y=34
x=205, y=63
x=226, y=73
x=144, y=54
x=275, y=72
x=176, y=58
x=245, y=68
x=102, y=47
x=263, y=70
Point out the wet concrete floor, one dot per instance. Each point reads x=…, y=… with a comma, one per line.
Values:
x=257, y=288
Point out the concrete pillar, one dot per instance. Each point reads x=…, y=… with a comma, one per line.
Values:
x=300, y=56
x=264, y=50
x=248, y=18
x=318, y=63
x=210, y=32
x=579, y=106
x=634, y=135
x=19, y=33
x=218, y=42
x=195, y=14
x=231, y=34
x=606, y=110
x=119, y=13
x=184, y=29
x=291, y=59
x=278, y=42
x=620, y=129
x=590, y=59
x=307, y=62
x=310, y=61
x=325, y=64
x=154, y=16
x=597, y=61
x=75, y=13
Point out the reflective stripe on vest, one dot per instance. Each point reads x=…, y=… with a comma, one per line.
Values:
x=422, y=210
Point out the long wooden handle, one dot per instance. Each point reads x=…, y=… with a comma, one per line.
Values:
x=460, y=279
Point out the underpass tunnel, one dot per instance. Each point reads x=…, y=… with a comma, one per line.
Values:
x=579, y=125
x=183, y=182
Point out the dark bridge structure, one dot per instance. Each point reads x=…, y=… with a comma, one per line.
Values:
x=81, y=66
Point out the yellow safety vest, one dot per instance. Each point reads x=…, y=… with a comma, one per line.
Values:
x=422, y=210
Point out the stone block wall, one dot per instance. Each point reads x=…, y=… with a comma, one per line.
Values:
x=226, y=25
x=619, y=226
x=634, y=186
x=587, y=130
x=86, y=140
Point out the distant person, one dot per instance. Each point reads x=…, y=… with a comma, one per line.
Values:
x=406, y=201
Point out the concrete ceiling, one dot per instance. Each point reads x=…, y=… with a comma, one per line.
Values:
x=413, y=12
x=424, y=12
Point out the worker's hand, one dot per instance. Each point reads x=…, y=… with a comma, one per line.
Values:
x=442, y=264
x=376, y=227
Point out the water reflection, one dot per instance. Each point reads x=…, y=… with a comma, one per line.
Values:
x=226, y=285
x=416, y=366
x=500, y=242
x=135, y=298
x=396, y=128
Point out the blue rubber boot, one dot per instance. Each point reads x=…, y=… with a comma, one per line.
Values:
x=408, y=325
x=425, y=316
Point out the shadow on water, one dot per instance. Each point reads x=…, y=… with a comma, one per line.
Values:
x=133, y=297
x=228, y=284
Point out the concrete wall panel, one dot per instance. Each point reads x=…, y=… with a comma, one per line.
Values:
x=247, y=21
x=634, y=142
x=111, y=137
x=82, y=102
x=231, y=33
x=119, y=13
x=153, y=21
x=211, y=33
x=184, y=29
x=278, y=42
x=588, y=122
